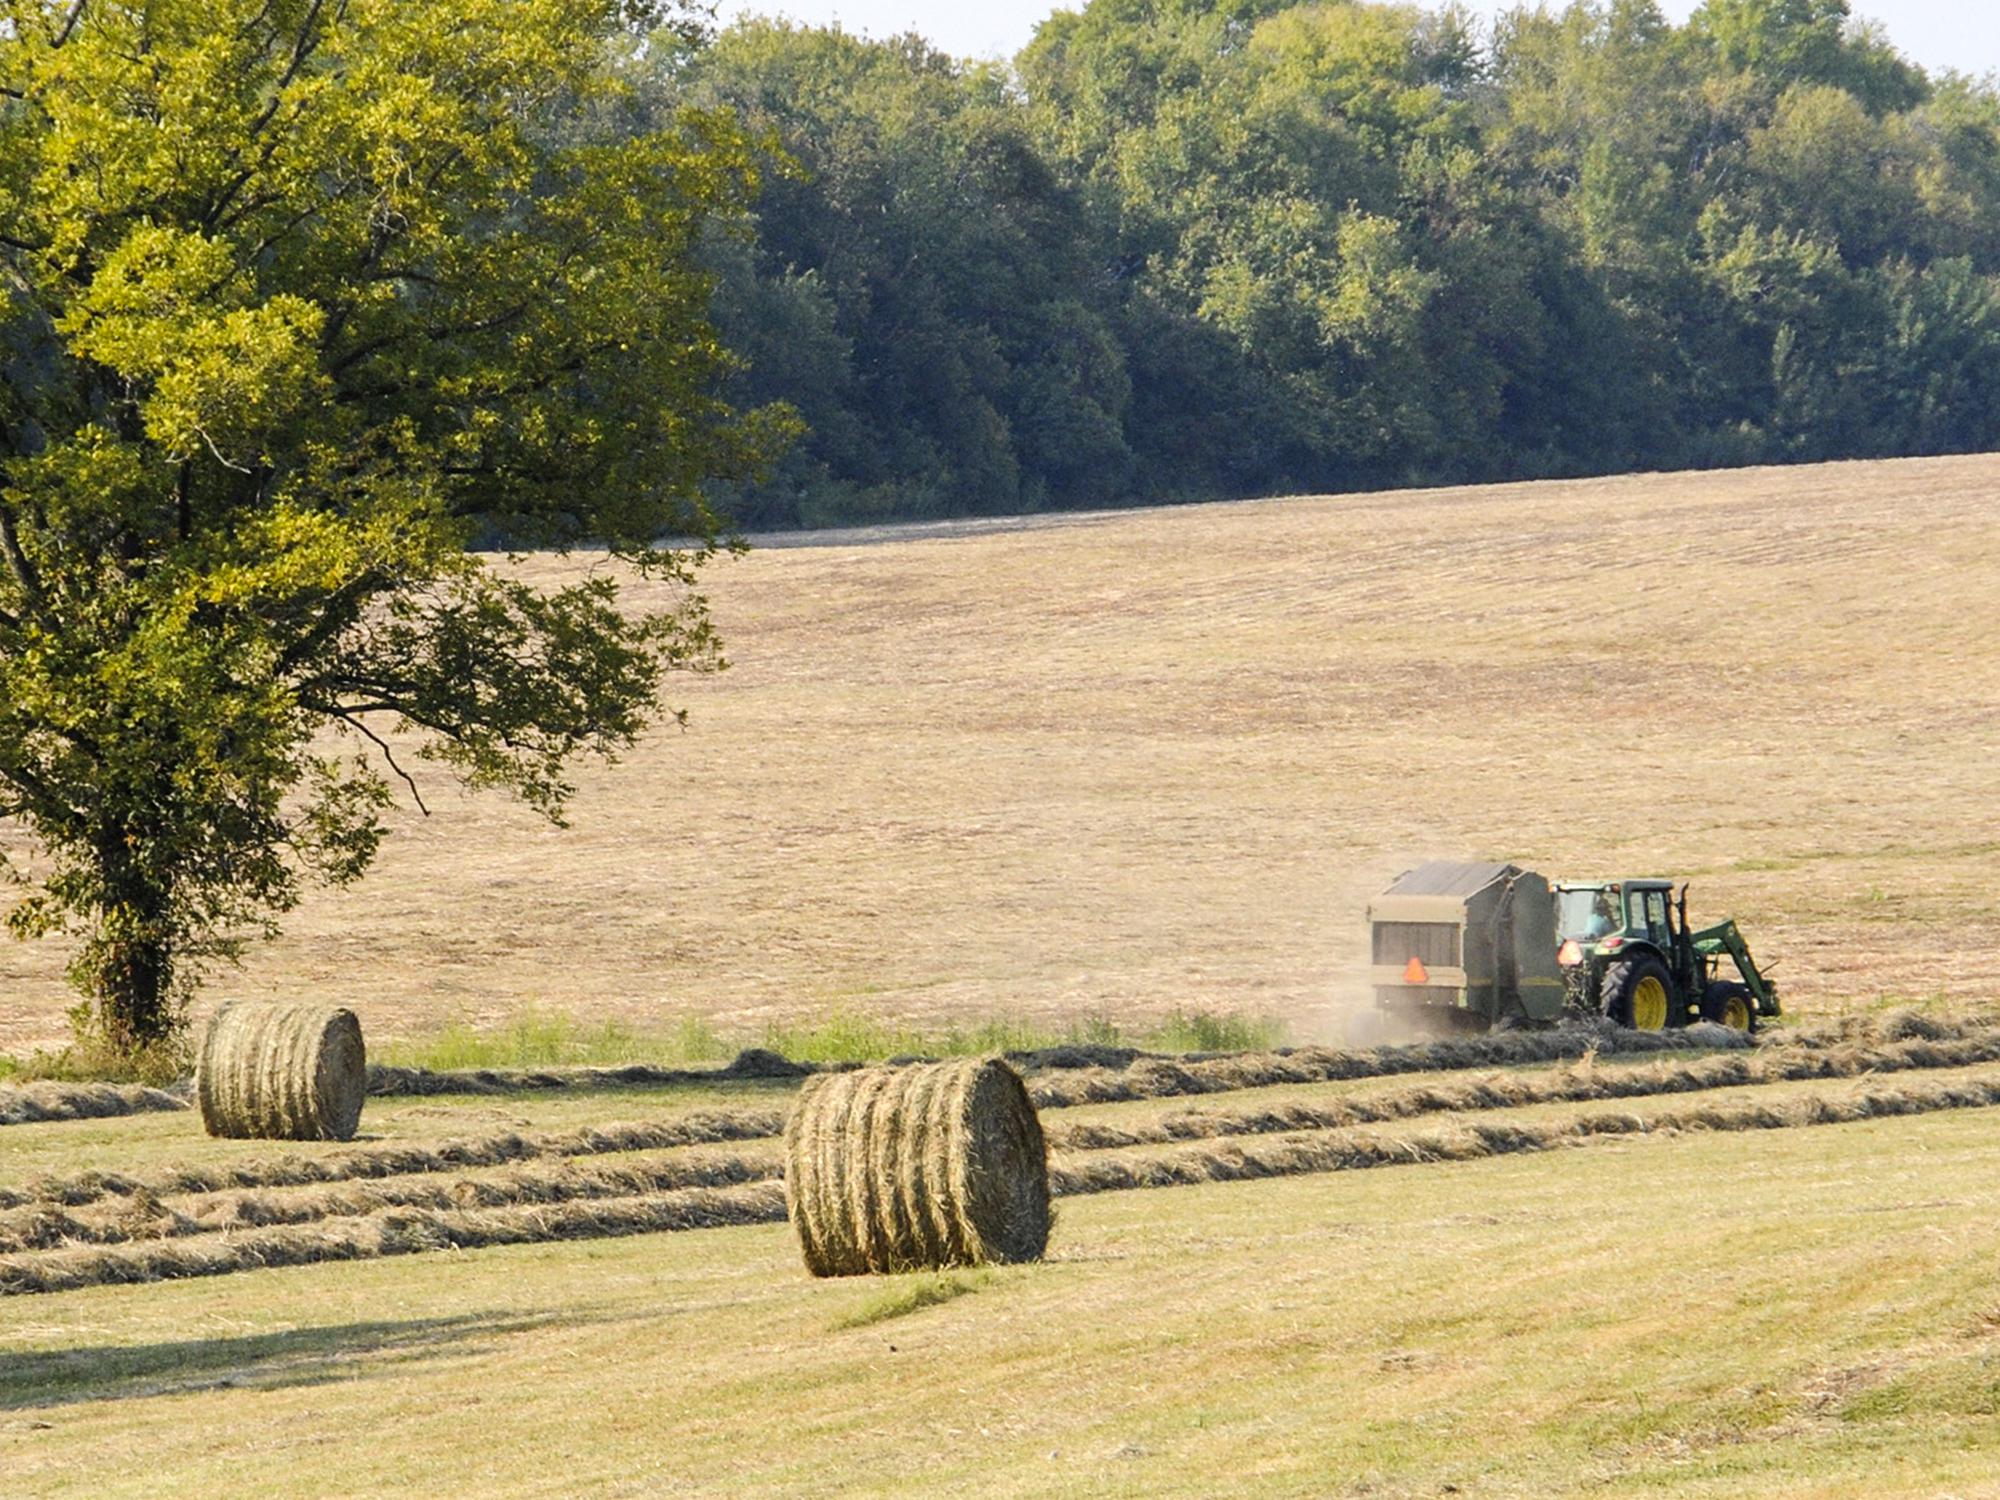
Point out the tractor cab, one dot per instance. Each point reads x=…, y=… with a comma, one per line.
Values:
x=1607, y=917
x=1625, y=950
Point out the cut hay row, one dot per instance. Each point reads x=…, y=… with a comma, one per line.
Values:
x=1154, y=1077
x=1165, y=1078
x=1574, y=1083
x=41, y=1103
x=144, y=1217
x=1890, y=1026
x=396, y=1231
x=387, y=1160
x=750, y=1063
x=139, y=1212
x=1297, y=1155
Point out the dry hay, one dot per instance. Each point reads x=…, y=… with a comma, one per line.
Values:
x=397, y=1231
x=1162, y=1078
x=750, y=1063
x=144, y=1216
x=938, y=1164
x=281, y=1071
x=1574, y=1083
x=39, y=1103
x=1343, y=1152
x=398, y=1160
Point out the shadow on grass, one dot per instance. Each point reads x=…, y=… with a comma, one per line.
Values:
x=264, y=1361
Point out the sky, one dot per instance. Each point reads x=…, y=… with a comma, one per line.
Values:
x=1961, y=34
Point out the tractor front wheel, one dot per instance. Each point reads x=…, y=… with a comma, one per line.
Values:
x=1638, y=993
x=1730, y=1005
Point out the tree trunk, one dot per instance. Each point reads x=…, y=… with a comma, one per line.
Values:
x=133, y=986
x=127, y=967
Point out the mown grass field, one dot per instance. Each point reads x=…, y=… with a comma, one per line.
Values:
x=1120, y=773
x=1797, y=1312
x=1128, y=764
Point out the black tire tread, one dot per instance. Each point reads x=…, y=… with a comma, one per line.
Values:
x=1614, y=990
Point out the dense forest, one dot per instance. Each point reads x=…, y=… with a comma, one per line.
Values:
x=1197, y=248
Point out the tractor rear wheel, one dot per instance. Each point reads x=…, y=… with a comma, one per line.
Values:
x=1729, y=1004
x=1638, y=993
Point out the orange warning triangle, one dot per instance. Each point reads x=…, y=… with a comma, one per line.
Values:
x=1414, y=972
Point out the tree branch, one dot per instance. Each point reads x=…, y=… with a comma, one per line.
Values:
x=25, y=578
x=69, y=25
x=354, y=722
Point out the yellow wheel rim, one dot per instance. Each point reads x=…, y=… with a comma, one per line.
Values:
x=1649, y=1004
x=1736, y=1013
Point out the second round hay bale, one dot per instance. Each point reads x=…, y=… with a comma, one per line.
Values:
x=899, y=1169
x=281, y=1071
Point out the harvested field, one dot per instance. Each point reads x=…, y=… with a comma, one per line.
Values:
x=1122, y=764
x=1277, y=1331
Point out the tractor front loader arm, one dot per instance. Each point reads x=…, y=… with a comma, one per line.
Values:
x=1726, y=937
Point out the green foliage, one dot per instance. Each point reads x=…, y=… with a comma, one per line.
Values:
x=97, y=1055
x=546, y=1038
x=300, y=299
x=1191, y=248
x=538, y=1038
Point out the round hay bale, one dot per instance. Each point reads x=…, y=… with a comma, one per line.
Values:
x=922, y=1167
x=287, y=1071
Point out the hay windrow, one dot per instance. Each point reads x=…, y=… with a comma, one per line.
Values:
x=1164, y=1078
x=926, y=1166
x=389, y=1160
x=403, y=1230
x=1340, y=1151
x=750, y=1063
x=145, y=1217
x=284, y=1071
x=397, y=1231
x=1573, y=1083
x=43, y=1103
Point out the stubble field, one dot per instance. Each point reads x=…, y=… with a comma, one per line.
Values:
x=1130, y=763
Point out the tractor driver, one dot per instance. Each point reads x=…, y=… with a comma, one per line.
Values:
x=1603, y=916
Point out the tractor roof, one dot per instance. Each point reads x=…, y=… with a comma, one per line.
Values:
x=1630, y=882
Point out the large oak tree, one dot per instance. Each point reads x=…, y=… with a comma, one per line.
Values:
x=301, y=298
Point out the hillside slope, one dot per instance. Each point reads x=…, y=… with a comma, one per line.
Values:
x=1135, y=761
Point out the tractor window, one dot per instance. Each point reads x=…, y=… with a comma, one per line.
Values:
x=1656, y=914
x=1587, y=914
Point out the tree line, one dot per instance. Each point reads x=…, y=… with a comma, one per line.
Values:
x=1198, y=248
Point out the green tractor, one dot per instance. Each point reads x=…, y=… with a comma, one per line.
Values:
x=1627, y=951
